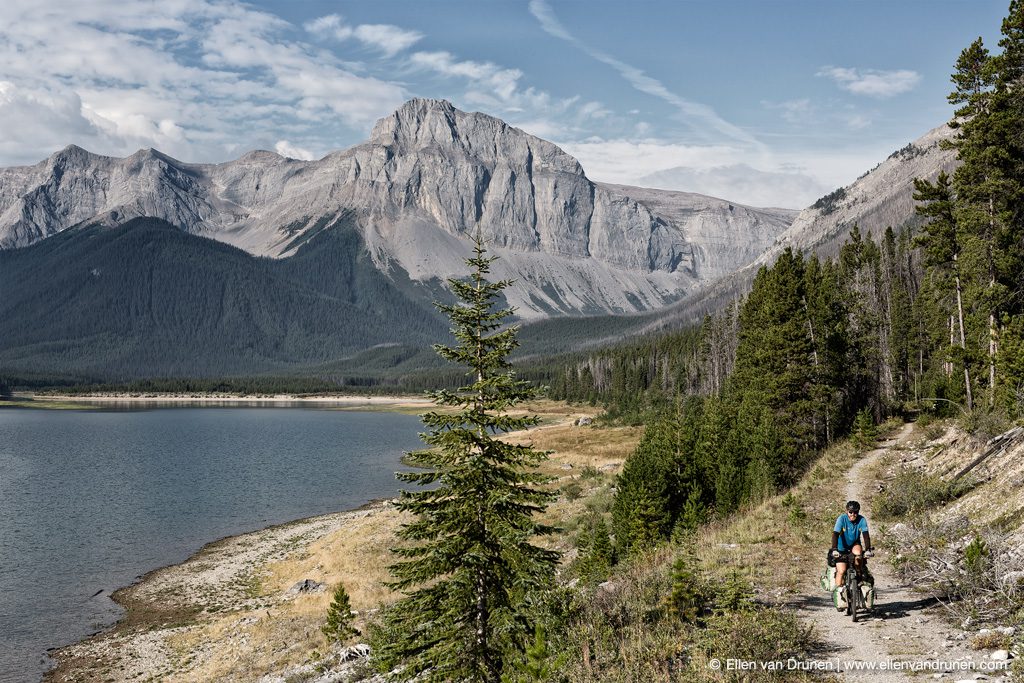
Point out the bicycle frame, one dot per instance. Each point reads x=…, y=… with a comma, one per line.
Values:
x=855, y=572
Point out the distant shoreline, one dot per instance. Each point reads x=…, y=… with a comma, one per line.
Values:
x=155, y=397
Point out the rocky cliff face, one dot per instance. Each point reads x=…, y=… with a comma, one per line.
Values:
x=428, y=178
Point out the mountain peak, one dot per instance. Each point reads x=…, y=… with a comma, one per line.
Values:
x=420, y=106
x=71, y=153
x=418, y=121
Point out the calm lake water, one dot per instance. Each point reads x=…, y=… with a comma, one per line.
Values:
x=91, y=500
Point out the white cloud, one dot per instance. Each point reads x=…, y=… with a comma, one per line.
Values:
x=743, y=184
x=793, y=180
x=625, y=161
x=194, y=78
x=387, y=38
x=498, y=80
x=498, y=90
x=594, y=110
x=287, y=149
x=329, y=25
x=35, y=122
x=872, y=83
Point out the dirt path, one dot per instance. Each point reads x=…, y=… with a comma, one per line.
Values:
x=906, y=628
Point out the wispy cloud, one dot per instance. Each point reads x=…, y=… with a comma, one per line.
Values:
x=636, y=77
x=501, y=81
x=870, y=82
x=387, y=38
x=793, y=111
x=499, y=90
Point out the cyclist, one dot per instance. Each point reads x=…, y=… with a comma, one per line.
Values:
x=846, y=536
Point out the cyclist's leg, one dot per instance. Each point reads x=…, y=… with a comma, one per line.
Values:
x=858, y=558
x=840, y=571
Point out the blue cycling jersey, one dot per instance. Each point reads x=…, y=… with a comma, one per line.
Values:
x=849, y=532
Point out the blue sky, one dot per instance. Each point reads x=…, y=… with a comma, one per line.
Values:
x=770, y=102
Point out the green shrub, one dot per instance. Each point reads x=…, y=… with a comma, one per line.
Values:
x=864, y=431
x=796, y=513
x=913, y=491
x=976, y=556
x=735, y=594
x=596, y=552
x=691, y=596
x=972, y=580
x=538, y=662
x=763, y=634
x=572, y=491
x=984, y=424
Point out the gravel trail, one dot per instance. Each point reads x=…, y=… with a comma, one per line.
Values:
x=905, y=628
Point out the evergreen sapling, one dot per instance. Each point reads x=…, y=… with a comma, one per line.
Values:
x=339, y=617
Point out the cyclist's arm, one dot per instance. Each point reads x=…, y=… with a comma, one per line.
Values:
x=867, y=540
x=835, y=540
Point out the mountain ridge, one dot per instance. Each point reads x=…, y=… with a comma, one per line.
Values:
x=428, y=177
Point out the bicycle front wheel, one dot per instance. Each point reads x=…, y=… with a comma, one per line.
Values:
x=854, y=600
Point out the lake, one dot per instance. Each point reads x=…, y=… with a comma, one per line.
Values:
x=91, y=500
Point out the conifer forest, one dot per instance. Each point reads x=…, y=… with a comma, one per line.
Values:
x=928, y=316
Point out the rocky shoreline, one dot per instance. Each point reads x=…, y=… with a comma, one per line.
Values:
x=166, y=608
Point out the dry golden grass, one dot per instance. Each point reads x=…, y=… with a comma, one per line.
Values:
x=244, y=644
x=775, y=543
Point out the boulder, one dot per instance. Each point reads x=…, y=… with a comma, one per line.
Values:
x=357, y=651
x=306, y=586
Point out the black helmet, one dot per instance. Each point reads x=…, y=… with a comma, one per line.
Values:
x=852, y=506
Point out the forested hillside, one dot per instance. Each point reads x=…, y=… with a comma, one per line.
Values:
x=147, y=300
x=929, y=318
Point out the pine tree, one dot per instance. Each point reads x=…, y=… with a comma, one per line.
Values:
x=538, y=663
x=691, y=596
x=339, y=617
x=981, y=184
x=941, y=243
x=647, y=490
x=469, y=566
x=597, y=553
x=1009, y=108
x=774, y=370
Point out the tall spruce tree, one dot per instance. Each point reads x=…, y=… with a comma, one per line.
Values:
x=469, y=565
x=1008, y=104
x=981, y=184
x=647, y=490
x=941, y=243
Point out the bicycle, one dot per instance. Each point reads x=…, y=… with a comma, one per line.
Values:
x=853, y=581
